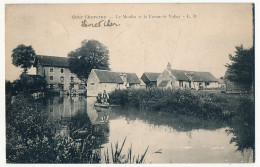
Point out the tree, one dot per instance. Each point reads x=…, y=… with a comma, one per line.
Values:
x=242, y=68
x=23, y=56
x=91, y=55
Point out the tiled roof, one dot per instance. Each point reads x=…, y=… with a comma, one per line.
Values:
x=194, y=75
x=105, y=76
x=51, y=61
x=132, y=78
x=152, y=76
x=180, y=75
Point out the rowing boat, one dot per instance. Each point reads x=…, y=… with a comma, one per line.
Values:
x=102, y=105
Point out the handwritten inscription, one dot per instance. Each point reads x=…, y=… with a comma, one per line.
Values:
x=102, y=23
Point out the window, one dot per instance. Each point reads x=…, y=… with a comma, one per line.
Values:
x=206, y=83
x=51, y=86
x=62, y=87
x=92, y=83
x=51, y=69
x=71, y=79
x=61, y=70
x=62, y=79
x=51, y=78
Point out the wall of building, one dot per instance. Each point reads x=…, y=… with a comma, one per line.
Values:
x=92, y=84
x=94, y=87
x=166, y=75
x=184, y=84
x=201, y=85
x=109, y=87
x=61, y=79
x=212, y=85
x=134, y=86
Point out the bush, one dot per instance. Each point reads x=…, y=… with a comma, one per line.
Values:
x=176, y=100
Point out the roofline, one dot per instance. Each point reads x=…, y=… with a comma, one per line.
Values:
x=198, y=72
x=40, y=56
x=55, y=66
x=53, y=56
x=191, y=71
x=117, y=73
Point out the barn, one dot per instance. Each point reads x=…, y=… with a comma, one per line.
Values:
x=100, y=80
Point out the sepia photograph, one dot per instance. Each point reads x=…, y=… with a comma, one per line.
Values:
x=154, y=83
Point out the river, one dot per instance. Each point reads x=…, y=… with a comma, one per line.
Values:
x=171, y=138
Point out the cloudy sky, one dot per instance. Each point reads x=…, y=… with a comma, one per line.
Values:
x=138, y=45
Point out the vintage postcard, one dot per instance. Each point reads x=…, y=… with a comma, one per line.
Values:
x=130, y=83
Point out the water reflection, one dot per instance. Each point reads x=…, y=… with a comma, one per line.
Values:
x=242, y=127
x=179, y=123
x=181, y=139
x=70, y=113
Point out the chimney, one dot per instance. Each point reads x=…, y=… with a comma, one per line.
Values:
x=169, y=67
x=123, y=76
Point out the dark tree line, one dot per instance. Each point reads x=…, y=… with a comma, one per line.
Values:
x=242, y=67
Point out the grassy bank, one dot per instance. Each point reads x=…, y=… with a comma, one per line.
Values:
x=198, y=103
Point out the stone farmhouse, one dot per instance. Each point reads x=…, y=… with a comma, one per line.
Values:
x=171, y=78
x=100, y=80
x=150, y=79
x=57, y=74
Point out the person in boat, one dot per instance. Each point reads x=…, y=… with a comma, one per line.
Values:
x=105, y=96
x=99, y=97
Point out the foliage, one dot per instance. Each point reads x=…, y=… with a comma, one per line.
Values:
x=242, y=125
x=31, y=137
x=91, y=55
x=29, y=134
x=23, y=56
x=9, y=91
x=242, y=68
x=26, y=83
x=177, y=101
x=119, y=158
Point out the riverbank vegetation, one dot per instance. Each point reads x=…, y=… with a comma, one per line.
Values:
x=189, y=110
x=186, y=102
x=32, y=137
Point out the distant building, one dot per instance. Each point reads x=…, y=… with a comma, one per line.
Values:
x=142, y=84
x=170, y=78
x=100, y=80
x=221, y=83
x=150, y=79
x=57, y=74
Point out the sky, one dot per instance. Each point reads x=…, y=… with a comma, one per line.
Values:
x=137, y=45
